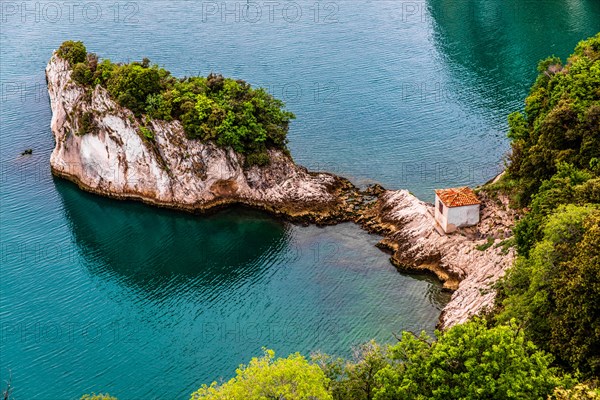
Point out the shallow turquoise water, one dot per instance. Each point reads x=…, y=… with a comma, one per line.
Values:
x=146, y=303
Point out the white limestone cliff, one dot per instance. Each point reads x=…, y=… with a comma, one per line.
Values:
x=115, y=160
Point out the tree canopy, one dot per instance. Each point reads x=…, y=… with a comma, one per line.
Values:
x=227, y=111
x=469, y=361
x=561, y=120
x=264, y=378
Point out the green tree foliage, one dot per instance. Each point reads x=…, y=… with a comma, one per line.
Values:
x=74, y=52
x=147, y=133
x=132, y=84
x=569, y=185
x=82, y=74
x=354, y=379
x=291, y=378
x=561, y=120
x=227, y=111
x=469, y=361
x=86, y=123
x=555, y=289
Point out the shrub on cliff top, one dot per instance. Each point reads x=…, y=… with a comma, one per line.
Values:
x=82, y=74
x=74, y=52
x=227, y=111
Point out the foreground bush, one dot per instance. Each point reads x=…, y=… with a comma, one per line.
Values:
x=291, y=378
x=469, y=361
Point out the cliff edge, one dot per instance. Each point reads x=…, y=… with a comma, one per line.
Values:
x=116, y=160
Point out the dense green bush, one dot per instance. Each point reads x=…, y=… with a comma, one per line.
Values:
x=561, y=120
x=86, y=123
x=131, y=84
x=74, y=52
x=554, y=287
x=291, y=378
x=229, y=112
x=555, y=290
x=82, y=74
x=356, y=378
x=469, y=361
x=147, y=133
x=568, y=185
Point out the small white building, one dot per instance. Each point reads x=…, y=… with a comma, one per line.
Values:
x=456, y=208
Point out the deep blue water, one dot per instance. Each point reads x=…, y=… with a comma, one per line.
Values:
x=100, y=295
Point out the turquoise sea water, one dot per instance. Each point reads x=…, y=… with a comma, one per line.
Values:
x=100, y=295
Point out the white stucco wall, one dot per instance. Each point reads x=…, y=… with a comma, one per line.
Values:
x=463, y=216
x=456, y=217
x=441, y=218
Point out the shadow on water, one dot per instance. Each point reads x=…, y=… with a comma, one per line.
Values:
x=152, y=248
x=159, y=251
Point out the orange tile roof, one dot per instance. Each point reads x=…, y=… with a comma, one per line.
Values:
x=457, y=197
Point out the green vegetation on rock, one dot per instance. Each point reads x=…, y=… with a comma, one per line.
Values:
x=554, y=291
x=554, y=287
x=227, y=111
x=73, y=52
x=561, y=120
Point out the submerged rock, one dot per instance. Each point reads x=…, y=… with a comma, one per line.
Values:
x=101, y=147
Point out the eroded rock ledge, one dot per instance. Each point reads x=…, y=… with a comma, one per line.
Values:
x=116, y=161
x=468, y=261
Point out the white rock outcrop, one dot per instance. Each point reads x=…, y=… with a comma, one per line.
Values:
x=115, y=159
x=410, y=232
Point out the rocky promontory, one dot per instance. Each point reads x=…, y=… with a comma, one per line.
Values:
x=172, y=171
x=468, y=261
x=115, y=159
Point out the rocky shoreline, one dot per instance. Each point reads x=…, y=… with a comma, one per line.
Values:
x=115, y=160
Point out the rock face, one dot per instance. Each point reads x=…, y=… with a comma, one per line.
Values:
x=115, y=159
x=467, y=261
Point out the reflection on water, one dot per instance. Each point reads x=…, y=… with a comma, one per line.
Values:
x=200, y=294
x=493, y=47
x=147, y=246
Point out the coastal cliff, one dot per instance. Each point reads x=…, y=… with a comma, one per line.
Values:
x=115, y=159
